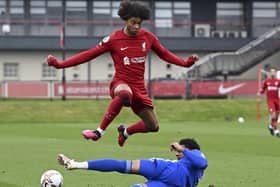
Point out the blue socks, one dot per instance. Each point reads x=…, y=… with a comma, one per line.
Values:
x=107, y=165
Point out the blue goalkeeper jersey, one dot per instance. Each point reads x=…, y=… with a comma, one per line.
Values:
x=185, y=172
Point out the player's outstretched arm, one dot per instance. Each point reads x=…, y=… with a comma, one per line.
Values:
x=77, y=59
x=170, y=57
x=69, y=62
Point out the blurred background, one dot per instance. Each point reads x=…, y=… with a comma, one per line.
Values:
x=237, y=41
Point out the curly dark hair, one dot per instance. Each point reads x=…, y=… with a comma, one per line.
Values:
x=190, y=143
x=129, y=9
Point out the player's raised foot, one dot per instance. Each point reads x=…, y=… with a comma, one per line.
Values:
x=90, y=134
x=270, y=128
x=66, y=162
x=122, y=138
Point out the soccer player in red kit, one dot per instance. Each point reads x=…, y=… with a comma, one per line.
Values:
x=271, y=86
x=129, y=48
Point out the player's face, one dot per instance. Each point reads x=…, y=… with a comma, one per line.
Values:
x=272, y=73
x=133, y=25
x=180, y=155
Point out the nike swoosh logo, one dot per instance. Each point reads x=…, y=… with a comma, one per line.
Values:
x=223, y=90
x=123, y=48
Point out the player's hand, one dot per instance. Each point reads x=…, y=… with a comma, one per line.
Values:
x=52, y=61
x=191, y=60
x=176, y=147
x=195, y=57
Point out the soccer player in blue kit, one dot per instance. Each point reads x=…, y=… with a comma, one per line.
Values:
x=184, y=172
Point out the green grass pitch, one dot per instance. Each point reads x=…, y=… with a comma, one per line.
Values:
x=33, y=132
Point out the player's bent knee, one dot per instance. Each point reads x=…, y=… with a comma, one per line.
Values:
x=154, y=129
x=126, y=97
x=273, y=115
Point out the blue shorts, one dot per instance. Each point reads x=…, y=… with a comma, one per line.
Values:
x=173, y=173
x=152, y=170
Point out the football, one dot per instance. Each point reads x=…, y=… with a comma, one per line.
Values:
x=51, y=178
x=241, y=120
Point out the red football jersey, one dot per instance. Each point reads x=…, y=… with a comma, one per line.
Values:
x=271, y=87
x=128, y=53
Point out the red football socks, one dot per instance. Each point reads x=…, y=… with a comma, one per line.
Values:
x=274, y=123
x=123, y=98
x=112, y=111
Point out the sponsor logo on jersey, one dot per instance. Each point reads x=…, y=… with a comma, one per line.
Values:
x=222, y=90
x=144, y=46
x=123, y=48
x=272, y=88
x=135, y=60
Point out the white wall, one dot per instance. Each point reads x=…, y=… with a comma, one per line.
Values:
x=30, y=66
x=30, y=63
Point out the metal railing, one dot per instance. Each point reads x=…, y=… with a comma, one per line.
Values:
x=235, y=63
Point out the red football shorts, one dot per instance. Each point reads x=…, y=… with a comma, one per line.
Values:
x=273, y=105
x=140, y=99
